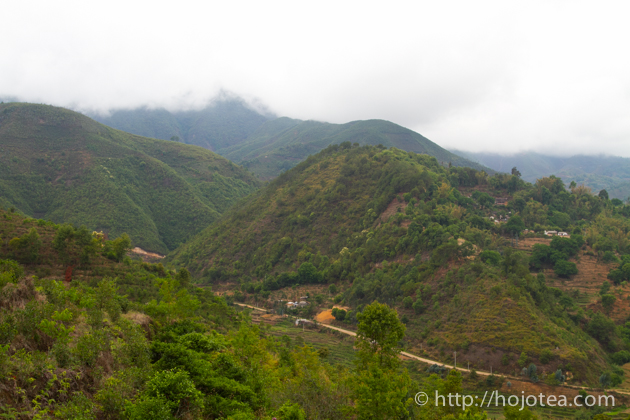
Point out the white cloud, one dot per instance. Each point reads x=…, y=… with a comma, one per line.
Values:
x=552, y=76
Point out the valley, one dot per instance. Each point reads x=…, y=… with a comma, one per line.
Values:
x=129, y=260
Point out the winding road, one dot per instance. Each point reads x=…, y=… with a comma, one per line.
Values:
x=431, y=362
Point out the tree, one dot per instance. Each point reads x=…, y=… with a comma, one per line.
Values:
x=307, y=273
x=339, y=314
x=380, y=388
x=516, y=172
x=515, y=225
x=378, y=334
x=183, y=277
x=608, y=301
x=490, y=257
x=603, y=194
x=120, y=246
x=485, y=200
x=27, y=247
x=565, y=268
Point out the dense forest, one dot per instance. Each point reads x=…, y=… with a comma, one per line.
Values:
x=62, y=166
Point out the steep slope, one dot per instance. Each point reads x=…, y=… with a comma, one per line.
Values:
x=386, y=225
x=279, y=144
x=611, y=173
x=60, y=165
x=222, y=124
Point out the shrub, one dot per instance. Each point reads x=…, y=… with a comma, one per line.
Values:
x=490, y=257
x=87, y=349
x=610, y=256
x=565, y=268
x=546, y=356
x=621, y=357
x=339, y=314
x=291, y=412
x=418, y=306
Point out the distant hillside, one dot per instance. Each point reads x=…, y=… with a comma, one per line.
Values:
x=267, y=145
x=60, y=165
x=387, y=225
x=222, y=124
x=280, y=144
x=597, y=172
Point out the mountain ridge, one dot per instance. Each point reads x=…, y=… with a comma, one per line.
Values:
x=62, y=165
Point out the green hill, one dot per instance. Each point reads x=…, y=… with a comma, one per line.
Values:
x=400, y=228
x=222, y=124
x=267, y=145
x=280, y=144
x=60, y=165
x=611, y=173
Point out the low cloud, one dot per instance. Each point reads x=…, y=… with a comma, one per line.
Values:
x=552, y=76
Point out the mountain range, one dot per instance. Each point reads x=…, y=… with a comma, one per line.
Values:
x=265, y=144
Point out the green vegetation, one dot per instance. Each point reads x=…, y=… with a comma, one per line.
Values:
x=280, y=144
x=264, y=144
x=221, y=124
x=62, y=166
x=402, y=229
x=609, y=174
x=82, y=349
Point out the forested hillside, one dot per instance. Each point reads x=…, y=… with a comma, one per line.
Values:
x=122, y=339
x=280, y=144
x=62, y=166
x=611, y=173
x=221, y=124
x=267, y=145
x=400, y=228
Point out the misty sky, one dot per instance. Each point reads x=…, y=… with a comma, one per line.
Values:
x=549, y=76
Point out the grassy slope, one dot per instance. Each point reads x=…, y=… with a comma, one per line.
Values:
x=279, y=144
x=63, y=166
x=333, y=201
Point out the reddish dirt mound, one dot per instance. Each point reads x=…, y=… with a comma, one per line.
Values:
x=325, y=317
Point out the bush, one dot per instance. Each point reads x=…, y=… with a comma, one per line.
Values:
x=87, y=349
x=546, y=356
x=565, y=268
x=610, y=256
x=490, y=257
x=339, y=314
x=291, y=412
x=621, y=357
x=418, y=306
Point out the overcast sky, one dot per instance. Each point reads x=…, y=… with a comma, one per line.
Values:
x=504, y=76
